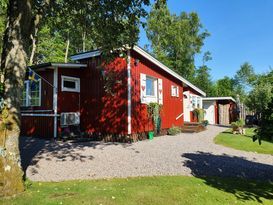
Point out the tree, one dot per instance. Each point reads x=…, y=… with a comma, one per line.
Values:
x=225, y=87
x=116, y=23
x=175, y=39
x=202, y=78
x=260, y=100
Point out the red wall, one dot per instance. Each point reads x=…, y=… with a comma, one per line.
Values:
x=172, y=106
x=102, y=112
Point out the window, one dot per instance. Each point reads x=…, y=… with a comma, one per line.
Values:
x=194, y=102
x=70, y=84
x=31, y=95
x=198, y=102
x=175, y=91
x=150, y=86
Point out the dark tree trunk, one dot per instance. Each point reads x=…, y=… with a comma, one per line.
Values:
x=14, y=61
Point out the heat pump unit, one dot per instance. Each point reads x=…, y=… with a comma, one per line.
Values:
x=70, y=118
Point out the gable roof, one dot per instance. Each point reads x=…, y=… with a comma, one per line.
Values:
x=148, y=56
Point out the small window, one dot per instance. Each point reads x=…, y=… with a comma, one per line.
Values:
x=31, y=95
x=194, y=101
x=175, y=91
x=70, y=84
x=150, y=86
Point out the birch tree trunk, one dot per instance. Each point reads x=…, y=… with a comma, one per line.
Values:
x=66, y=50
x=14, y=61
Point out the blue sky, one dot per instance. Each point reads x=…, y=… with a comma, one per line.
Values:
x=241, y=31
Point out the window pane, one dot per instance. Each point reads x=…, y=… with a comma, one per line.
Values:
x=69, y=84
x=150, y=86
x=34, y=92
x=24, y=96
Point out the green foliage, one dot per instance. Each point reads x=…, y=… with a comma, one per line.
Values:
x=175, y=39
x=199, y=113
x=153, y=110
x=205, y=123
x=51, y=46
x=174, y=130
x=238, y=124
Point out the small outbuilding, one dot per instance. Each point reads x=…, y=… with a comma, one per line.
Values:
x=220, y=110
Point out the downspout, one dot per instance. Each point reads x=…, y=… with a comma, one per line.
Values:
x=129, y=102
x=55, y=101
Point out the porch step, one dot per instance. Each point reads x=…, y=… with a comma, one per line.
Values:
x=192, y=127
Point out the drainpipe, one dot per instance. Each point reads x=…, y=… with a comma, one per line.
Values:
x=129, y=106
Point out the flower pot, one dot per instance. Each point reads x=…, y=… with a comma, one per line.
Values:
x=151, y=135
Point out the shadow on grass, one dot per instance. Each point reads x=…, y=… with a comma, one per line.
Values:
x=211, y=167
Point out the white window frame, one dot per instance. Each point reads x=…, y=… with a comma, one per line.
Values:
x=28, y=97
x=74, y=79
x=174, y=91
x=155, y=82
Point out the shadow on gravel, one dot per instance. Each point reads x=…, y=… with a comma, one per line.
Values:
x=211, y=167
x=33, y=149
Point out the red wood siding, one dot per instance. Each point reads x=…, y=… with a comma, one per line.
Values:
x=102, y=112
x=37, y=126
x=172, y=106
x=68, y=101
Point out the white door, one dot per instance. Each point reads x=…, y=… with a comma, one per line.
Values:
x=209, y=108
x=187, y=106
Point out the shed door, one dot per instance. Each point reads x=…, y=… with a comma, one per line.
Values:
x=210, y=111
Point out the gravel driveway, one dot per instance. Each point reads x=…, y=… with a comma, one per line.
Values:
x=184, y=154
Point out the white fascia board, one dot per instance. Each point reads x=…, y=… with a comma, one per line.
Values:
x=219, y=98
x=168, y=70
x=85, y=55
x=69, y=65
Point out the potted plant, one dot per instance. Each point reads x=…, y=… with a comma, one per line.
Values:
x=238, y=127
x=153, y=110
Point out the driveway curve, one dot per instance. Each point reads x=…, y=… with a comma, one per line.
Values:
x=184, y=154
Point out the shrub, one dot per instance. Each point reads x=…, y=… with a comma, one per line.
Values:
x=205, y=123
x=199, y=113
x=174, y=130
x=238, y=124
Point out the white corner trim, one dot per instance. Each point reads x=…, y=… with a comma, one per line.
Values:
x=55, y=101
x=74, y=79
x=129, y=93
x=179, y=116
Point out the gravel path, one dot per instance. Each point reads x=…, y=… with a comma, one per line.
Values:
x=184, y=154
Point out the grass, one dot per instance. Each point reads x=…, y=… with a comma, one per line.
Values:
x=146, y=190
x=243, y=142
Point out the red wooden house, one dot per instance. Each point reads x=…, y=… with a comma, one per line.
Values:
x=103, y=100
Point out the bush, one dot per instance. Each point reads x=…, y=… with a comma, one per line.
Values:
x=238, y=124
x=174, y=130
x=205, y=123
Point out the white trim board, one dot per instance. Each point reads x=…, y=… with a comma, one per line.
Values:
x=149, y=57
x=219, y=98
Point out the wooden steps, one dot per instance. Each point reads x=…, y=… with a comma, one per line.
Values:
x=192, y=127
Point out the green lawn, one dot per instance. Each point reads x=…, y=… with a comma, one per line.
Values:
x=243, y=142
x=147, y=190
